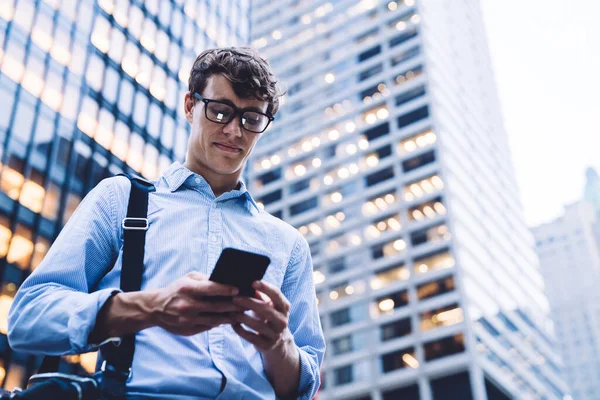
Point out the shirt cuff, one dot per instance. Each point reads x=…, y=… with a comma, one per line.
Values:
x=83, y=319
x=310, y=379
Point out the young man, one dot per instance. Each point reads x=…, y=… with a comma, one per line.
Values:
x=186, y=347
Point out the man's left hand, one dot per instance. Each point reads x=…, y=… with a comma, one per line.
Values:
x=270, y=319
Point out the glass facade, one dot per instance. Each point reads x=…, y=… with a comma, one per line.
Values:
x=389, y=156
x=88, y=90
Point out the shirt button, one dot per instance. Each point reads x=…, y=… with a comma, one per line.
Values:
x=213, y=238
x=197, y=180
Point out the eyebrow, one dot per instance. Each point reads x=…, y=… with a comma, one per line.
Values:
x=251, y=108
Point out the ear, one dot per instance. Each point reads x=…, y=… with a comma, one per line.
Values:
x=188, y=106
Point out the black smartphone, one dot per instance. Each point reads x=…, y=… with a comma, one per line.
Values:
x=239, y=268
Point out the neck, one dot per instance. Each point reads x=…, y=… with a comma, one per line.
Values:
x=219, y=183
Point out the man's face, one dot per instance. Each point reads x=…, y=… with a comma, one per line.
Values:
x=216, y=148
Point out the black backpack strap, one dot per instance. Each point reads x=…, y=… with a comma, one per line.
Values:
x=116, y=367
x=134, y=239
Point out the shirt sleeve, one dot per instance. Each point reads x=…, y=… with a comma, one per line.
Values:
x=53, y=312
x=304, y=321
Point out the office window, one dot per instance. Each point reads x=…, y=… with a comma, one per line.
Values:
x=403, y=37
x=379, y=176
x=154, y=117
x=271, y=197
x=174, y=57
x=73, y=201
x=337, y=264
x=434, y=261
x=377, y=131
x=399, y=359
x=389, y=276
x=405, y=56
x=442, y=316
x=342, y=375
x=365, y=55
x=269, y=177
x=419, y=161
x=396, y=329
x=23, y=122
x=51, y=201
x=340, y=317
x=413, y=116
x=111, y=83
x=370, y=72
x=454, y=387
x=436, y=233
x=405, y=393
x=164, y=17
x=303, y=206
x=342, y=345
x=162, y=44
x=117, y=45
x=444, y=347
x=140, y=110
x=21, y=247
x=300, y=186
x=167, y=133
x=435, y=288
x=7, y=101
x=390, y=302
x=23, y=16
x=95, y=72
x=410, y=95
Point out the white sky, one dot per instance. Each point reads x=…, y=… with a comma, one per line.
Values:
x=546, y=56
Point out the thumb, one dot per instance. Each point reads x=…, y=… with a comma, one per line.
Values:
x=198, y=276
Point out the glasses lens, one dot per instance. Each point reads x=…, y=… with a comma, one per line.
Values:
x=219, y=112
x=254, y=122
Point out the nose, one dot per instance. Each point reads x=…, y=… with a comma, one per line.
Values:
x=233, y=128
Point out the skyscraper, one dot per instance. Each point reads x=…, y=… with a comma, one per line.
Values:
x=569, y=255
x=390, y=156
x=87, y=90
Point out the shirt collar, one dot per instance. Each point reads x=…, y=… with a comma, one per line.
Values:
x=176, y=175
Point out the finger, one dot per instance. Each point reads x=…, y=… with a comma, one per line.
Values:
x=259, y=342
x=199, y=289
x=278, y=299
x=261, y=327
x=276, y=319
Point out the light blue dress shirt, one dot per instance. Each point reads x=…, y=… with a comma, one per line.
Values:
x=55, y=309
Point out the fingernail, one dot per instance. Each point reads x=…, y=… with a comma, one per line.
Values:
x=234, y=291
x=256, y=284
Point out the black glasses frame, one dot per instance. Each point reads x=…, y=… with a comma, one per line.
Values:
x=236, y=112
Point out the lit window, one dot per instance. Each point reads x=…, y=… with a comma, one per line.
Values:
x=444, y=316
x=435, y=288
x=389, y=276
x=21, y=247
x=433, y=262
x=420, y=188
x=399, y=359
x=11, y=183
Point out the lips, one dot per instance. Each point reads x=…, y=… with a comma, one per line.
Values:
x=227, y=147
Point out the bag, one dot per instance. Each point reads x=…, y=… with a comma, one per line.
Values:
x=110, y=382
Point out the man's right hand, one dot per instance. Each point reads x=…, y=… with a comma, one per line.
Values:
x=179, y=308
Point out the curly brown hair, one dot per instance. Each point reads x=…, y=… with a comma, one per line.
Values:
x=250, y=74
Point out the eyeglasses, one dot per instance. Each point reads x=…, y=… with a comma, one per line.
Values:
x=222, y=113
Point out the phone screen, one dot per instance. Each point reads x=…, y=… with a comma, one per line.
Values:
x=240, y=268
